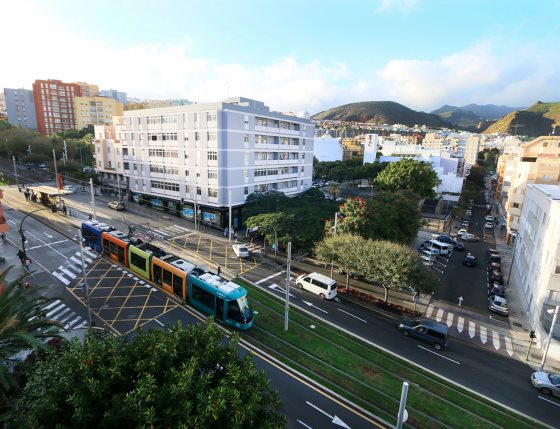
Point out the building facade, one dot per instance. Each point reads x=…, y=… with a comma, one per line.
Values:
x=537, y=252
x=204, y=158
x=96, y=111
x=54, y=105
x=537, y=161
x=115, y=95
x=88, y=89
x=20, y=107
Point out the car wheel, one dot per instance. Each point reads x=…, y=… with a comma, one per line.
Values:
x=322, y=295
x=300, y=286
x=406, y=333
x=546, y=391
x=437, y=346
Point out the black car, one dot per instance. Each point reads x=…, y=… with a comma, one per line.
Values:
x=495, y=258
x=469, y=261
x=496, y=277
x=447, y=239
x=497, y=290
x=494, y=266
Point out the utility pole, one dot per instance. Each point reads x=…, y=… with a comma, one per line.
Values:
x=92, y=197
x=15, y=173
x=119, y=186
x=230, y=232
x=288, y=268
x=56, y=175
x=86, y=287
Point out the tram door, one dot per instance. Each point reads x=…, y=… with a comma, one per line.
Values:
x=219, y=309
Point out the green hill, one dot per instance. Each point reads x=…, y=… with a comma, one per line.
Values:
x=473, y=116
x=381, y=112
x=537, y=120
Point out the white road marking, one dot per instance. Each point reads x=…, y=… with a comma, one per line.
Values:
x=437, y=354
x=509, y=346
x=81, y=325
x=274, y=286
x=76, y=260
x=471, y=329
x=335, y=420
x=548, y=400
x=310, y=304
x=50, y=313
x=496, y=340
x=439, y=314
x=52, y=304
x=460, y=324
x=61, y=278
x=350, y=314
x=429, y=310
x=45, y=245
x=303, y=424
x=269, y=277
x=68, y=273
x=449, y=320
x=483, y=334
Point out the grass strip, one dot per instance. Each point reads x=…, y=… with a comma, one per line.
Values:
x=350, y=363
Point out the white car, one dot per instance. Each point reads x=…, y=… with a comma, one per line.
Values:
x=488, y=218
x=69, y=188
x=469, y=237
x=462, y=232
x=488, y=225
x=498, y=304
x=241, y=250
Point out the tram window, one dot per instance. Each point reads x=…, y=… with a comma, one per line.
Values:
x=233, y=311
x=120, y=252
x=157, y=274
x=106, y=247
x=167, y=277
x=177, y=283
x=113, y=248
x=203, y=297
x=138, y=261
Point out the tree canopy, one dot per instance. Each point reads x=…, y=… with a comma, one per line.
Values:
x=390, y=265
x=182, y=377
x=417, y=176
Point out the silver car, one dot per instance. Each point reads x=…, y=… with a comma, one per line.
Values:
x=549, y=384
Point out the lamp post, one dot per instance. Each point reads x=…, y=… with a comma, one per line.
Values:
x=86, y=287
x=92, y=190
x=15, y=173
x=512, y=258
x=21, y=234
x=549, y=339
x=275, y=243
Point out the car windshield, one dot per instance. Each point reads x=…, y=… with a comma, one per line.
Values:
x=554, y=379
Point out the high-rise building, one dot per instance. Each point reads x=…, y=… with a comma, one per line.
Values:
x=88, y=89
x=114, y=94
x=54, y=105
x=204, y=158
x=21, y=108
x=96, y=111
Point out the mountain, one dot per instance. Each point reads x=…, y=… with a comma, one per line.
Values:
x=381, y=112
x=472, y=116
x=538, y=120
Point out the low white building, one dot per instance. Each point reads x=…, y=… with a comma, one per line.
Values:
x=327, y=148
x=536, y=260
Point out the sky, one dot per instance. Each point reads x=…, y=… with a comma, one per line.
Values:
x=293, y=55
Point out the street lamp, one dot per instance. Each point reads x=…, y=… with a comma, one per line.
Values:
x=21, y=234
x=86, y=287
x=15, y=173
x=550, y=311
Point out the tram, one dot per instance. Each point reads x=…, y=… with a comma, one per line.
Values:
x=208, y=292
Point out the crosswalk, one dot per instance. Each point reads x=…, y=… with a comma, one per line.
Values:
x=73, y=267
x=63, y=314
x=168, y=231
x=474, y=330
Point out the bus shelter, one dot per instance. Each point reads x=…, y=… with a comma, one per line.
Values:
x=47, y=195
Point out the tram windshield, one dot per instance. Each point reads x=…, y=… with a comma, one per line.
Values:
x=245, y=309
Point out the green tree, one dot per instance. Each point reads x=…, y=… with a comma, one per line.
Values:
x=407, y=173
x=183, y=377
x=23, y=326
x=352, y=218
x=393, y=216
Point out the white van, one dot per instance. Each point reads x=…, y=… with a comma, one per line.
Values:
x=317, y=283
x=442, y=248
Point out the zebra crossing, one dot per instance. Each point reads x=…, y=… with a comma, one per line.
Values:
x=487, y=336
x=64, y=315
x=73, y=267
x=168, y=231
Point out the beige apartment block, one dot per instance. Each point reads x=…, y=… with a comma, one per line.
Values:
x=352, y=148
x=88, y=89
x=96, y=110
x=537, y=161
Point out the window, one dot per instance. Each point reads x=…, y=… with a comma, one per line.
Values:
x=515, y=205
x=202, y=297
x=246, y=138
x=158, y=184
x=213, y=192
x=547, y=178
x=186, y=173
x=198, y=190
x=246, y=192
x=138, y=261
x=212, y=155
x=210, y=116
x=196, y=136
x=212, y=174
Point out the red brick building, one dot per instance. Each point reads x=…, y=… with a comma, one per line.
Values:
x=54, y=105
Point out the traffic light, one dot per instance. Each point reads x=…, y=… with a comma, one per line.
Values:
x=532, y=335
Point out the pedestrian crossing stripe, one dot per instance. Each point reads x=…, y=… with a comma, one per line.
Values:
x=63, y=314
x=65, y=274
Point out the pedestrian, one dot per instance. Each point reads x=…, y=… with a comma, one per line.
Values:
x=235, y=236
x=219, y=270
x=22, y=257
x=64, y=209
x=26, y=194
x=90, y=217
x=226, y=231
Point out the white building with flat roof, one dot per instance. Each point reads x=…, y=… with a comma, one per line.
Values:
x=210, y=155
x=537, y=260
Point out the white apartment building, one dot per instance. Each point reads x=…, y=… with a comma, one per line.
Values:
x=207, y=157
x=537, y=256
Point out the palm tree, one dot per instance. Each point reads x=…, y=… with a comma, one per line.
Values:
x=23, y=326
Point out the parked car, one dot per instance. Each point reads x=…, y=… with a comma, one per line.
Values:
x=496, y=289
x=496, y=277
x=489, y=219
x=547, y=383
x=495, y=258
x=461, y=232
x=426, y=330
x=497, y=304
x=427, y=260
x=470, y=237
x=494, y=266
x=469, y=261
x=69, y=188
x=447, y=239
x=465, y=224
x=241, y=250
x=488, y=225
x=493, y=252
x=116, y=205
x=426, y=253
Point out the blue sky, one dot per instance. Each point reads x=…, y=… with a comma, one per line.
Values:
x=293, y=55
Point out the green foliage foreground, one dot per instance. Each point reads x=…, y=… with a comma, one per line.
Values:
x=178, y=378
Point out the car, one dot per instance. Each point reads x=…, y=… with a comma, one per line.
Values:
x=469, y=261
x=42, y=166
x=495, y=258
x=493, y=252
x=547, y=383
x=447, y=239
x=317, y=283
x=497, y=290
x=497, y=304
x=465, y=224
x=469, y=237
x=496, y=277
x=461, y=232
x=494, y=266
x=427, y=260
x=69, y=188
x=241, y=250
x=430, y=255
x=488, y=225
x=116, y=205
x=426, y=330
x=489, y=219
